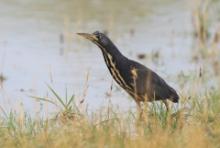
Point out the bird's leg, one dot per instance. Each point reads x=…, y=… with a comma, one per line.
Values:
x=140, y=110
x=167, y=105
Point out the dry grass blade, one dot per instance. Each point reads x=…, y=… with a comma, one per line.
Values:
x=3, y=111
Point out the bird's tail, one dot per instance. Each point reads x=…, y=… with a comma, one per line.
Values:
x=174, y=97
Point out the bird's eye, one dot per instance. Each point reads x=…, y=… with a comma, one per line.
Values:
x=100, y=37
x=96, y=33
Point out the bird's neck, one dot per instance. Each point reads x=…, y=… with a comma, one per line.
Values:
x=114, y=59
x=111, y=53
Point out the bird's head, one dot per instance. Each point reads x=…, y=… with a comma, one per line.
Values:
x=98, y=38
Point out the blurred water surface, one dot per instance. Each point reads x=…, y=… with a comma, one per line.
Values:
x=39, y=46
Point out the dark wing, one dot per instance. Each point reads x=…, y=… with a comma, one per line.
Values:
x=148, y=82
x=163, y=90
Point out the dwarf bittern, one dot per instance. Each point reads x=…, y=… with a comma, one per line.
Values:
x=140, y=82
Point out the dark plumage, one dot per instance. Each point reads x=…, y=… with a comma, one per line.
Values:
x=139, y=81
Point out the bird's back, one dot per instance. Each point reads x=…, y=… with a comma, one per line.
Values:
x=145, y=83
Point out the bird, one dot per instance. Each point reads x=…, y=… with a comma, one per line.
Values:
x=139, y=81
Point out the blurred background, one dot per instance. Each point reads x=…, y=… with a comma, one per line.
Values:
x=38, y=47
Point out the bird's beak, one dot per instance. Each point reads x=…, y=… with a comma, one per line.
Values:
x=88, y=36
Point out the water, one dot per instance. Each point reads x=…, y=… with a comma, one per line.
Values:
x=33, y=52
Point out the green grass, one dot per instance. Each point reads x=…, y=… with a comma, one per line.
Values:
x=197, y=126
x=67, y=106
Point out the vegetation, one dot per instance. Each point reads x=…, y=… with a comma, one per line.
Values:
x=195, y=126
